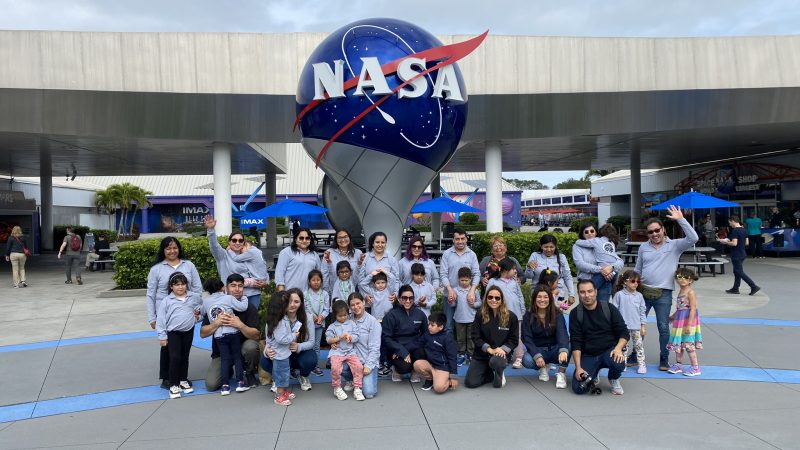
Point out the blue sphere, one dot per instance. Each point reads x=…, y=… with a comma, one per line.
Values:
x=426, y=130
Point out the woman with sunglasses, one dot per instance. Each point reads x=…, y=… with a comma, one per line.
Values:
x=604, y=249
x=584, y=258
x=495, y=333
x=342, y=250
x=416, y=253
x=404, y=330
x=296, y=261
x=240, y=256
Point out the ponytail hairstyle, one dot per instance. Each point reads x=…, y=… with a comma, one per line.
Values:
x=549, y=320
x=548, y=277
x=276, y=309
x=176, y=278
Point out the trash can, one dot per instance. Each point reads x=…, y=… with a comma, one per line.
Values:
x=449, y=230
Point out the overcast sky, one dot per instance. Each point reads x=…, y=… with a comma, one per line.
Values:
x=625, y=18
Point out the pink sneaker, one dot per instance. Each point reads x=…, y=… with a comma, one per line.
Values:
x=283, y=399
x=642, y=369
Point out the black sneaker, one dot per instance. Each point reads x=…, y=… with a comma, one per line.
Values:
x=384, y=371
x=732, y=291
x=752, y=291
x=70, y=282
x=165, y=384
x=252, y=379
x=498, y=379
x=427, y=385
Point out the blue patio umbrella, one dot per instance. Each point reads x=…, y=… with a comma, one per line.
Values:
x=442, y=204
x=282, y=208
x=695, y=200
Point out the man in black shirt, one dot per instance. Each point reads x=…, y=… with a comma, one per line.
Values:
x=247, y=323
x=737, y=239
x=598, y=334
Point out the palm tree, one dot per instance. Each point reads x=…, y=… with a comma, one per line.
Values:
x=105, y=201
x=138, y=199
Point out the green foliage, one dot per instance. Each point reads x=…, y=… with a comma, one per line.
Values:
x=526, y=184
x=521, y=245
x=59, y=231
x=468, y=218
x=282, y=229
x=280, y=221
x=576, y=224
x=110, y=235
x=621, y=223
x=134, y=260
x=572, y=183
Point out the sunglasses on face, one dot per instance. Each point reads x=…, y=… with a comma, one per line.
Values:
x=493, y=297
x=407, y=298
x=589, y=231
x=236, y=241
x=634, y=281
x=681, y=277
x=341, y=238
x=303, y=238
x=656, y=231
x=416, y=246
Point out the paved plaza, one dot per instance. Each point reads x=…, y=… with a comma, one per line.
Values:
x=81, y=371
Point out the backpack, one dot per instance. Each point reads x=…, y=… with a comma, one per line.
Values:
x=603, y=306
x=75, y=243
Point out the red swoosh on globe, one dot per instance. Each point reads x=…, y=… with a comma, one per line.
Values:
x=448, y=53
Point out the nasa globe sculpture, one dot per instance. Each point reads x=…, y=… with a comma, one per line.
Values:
x=381, y=106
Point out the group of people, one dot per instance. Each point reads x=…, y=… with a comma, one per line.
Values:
x=375, y=312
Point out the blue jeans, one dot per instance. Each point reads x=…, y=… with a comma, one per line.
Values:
x=592, y=366
x=254, y=300
x=318, y=333
x=449, y=312
x=304, y=362
x=604, y=287
x=662, y=306
x=279, y=369
x=369, y=384
x=739, y=275
x=550, y=356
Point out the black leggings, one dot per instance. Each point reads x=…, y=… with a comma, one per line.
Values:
x=481, y=371
x=179, y=343
x=402, y=366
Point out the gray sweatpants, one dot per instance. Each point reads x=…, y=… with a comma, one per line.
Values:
x=73, y=260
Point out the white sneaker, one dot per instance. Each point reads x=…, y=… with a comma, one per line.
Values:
x=339, y=393
x=503, y=383
x=561, y=380
x=415, y=378
x=358, y=395
x=274, y=389
x=544, y=375
x=186, y=387
x=304, y=383
x=616, y=387
x=348, y=386
x=174, y=392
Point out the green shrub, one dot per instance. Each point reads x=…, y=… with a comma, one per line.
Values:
x=521, y=245
x=468, y=218
x=621, y=223
x=111, y=235
x=134, y=260
x=282, y=229
x=280, y=221
x=576, y=224
x=59, y=231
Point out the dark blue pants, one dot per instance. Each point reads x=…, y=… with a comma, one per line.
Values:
x=604, y=287
x=230, y=353
x=550, y=356
x=662, y=306
x=304, y=361
x=739, y=275
x=592, y=366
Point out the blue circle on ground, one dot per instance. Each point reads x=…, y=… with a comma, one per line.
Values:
x=426, y=130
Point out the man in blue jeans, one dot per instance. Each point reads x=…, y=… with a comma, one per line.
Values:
x=657, y=262
x=598, y=334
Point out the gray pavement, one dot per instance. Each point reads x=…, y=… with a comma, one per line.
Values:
x=100, y=392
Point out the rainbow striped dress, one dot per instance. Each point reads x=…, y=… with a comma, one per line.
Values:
x=677, y=339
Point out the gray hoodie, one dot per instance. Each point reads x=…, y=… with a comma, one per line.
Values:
x=158, y=283
x=177, y=315
x=249, y=264
x=218, y=303
x=339, y=329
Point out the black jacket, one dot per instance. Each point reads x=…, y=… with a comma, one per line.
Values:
x=440, y=351
x=534, y=336
x=492, y=335
x=404, y=331
x=596, y=333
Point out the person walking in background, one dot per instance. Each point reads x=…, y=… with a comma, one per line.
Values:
x=71, y=247
x=737, y=240
x=753, y=225
x=17, y=253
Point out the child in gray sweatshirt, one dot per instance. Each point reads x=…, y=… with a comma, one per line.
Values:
x=177, y=315
x=375, y=288
x=227, y=338
x=341, y=334
x=630, y=304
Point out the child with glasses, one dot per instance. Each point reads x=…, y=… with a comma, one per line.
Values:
x=630, y=304
x=343, y=285
x=685, y=332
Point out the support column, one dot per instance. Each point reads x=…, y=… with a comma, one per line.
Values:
x=436, y=218
x=222, y=188
x=636, y=186
x=46, y=196
x=145, y=228
x=270, y=189
x=494, y=187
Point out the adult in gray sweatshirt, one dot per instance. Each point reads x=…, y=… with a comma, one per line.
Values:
x=240, y=257
x=657, y=262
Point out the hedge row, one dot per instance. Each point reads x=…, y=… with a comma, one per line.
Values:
x=521, y=245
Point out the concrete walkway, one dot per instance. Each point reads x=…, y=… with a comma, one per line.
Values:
x=80, y=371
